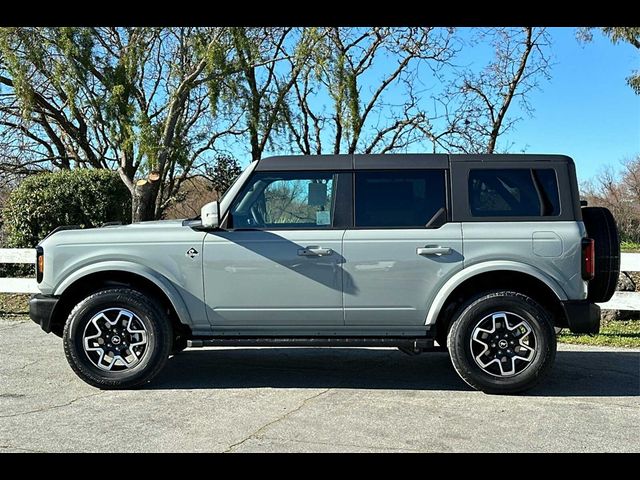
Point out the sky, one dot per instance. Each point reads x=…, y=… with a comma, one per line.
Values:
x=586, y=110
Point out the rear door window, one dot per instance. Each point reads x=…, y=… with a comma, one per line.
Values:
x=400, y=198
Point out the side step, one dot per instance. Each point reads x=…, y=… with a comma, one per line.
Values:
x=410, y=343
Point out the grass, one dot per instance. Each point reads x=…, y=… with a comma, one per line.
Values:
x=613, y=333
x=14, y=304
x=630, y=246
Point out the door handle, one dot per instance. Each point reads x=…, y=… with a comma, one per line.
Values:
x=433, y=250
x=314, y=252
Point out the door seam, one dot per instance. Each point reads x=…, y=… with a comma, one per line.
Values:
x=343, y=275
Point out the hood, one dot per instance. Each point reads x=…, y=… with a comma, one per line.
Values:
x=149, y=224
x=135, y=232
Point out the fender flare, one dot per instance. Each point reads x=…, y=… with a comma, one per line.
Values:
x=484, y=267
x=159, y=280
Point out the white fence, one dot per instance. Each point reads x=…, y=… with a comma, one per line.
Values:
x=18, y=285
x=630, y=262
x=620, y=300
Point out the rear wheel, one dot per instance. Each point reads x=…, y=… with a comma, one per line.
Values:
x=117, y=338
x=502, y=342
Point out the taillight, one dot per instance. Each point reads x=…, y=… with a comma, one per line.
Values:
x=588, y=258
x=39, y=264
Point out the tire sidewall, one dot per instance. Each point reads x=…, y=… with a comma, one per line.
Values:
x=460, y=342
x=157, y=338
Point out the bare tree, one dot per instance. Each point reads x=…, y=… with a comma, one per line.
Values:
x=620, y=193
x=475, y=108
x=353, y=70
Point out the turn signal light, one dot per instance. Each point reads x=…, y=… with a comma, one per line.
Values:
x=39, y=264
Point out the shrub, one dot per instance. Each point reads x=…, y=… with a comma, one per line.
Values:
x=45, y=201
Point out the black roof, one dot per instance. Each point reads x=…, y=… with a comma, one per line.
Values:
x=393, y=161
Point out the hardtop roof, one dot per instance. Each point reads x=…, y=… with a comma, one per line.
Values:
x=394, y=161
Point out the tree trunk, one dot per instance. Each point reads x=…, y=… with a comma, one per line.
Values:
x=143, y=203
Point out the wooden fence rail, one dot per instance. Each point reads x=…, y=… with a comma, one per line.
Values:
x=620, y=301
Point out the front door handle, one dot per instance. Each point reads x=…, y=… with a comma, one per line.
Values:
x=314, y=252
x=433, y=250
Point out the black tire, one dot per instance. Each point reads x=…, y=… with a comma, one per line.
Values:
x=601, y=226
x=157, y=348
x=472, y=313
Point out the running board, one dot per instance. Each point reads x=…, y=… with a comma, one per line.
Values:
x=417, y=344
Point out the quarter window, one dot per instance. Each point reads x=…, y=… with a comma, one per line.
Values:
x=400, y=198
x=514, y=192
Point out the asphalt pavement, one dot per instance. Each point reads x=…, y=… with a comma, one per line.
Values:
x=312, y=399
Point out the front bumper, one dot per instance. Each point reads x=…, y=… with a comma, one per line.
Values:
x=41, y=309
x=582, y=316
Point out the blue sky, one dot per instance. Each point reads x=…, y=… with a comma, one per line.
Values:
x=586, y=110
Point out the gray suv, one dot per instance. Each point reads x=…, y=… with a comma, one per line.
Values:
x=480, y=255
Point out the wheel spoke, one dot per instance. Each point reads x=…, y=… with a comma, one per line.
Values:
x=503, y=344
x=115, y=339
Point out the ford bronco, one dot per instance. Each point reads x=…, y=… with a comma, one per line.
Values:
x=480, y=255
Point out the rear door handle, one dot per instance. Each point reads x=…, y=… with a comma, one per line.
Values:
x=314, y=252
x=433, y=250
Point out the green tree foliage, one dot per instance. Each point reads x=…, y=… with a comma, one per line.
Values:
x=630, y=35
x=222, y=174
x=45, y=201
x=259, y=87
x=158, y=105
x=133, y=100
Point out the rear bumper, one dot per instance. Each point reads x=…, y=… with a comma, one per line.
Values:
x=582, y=316
x=41, y=310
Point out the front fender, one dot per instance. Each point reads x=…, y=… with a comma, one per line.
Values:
x=484, y=267
x=162, y=282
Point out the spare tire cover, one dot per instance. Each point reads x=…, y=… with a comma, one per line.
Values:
x=601, y=226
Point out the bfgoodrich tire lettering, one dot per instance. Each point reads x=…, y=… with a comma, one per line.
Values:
x=157, y=346
x=506, y=378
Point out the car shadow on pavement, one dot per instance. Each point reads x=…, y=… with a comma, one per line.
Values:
x=576, y=373
x=611, y=373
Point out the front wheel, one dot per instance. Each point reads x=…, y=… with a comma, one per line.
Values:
x=502, y=342
x=117, y=338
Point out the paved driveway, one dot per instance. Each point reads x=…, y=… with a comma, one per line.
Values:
x=306, y=399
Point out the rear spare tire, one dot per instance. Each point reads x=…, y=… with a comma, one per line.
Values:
x=601, y=227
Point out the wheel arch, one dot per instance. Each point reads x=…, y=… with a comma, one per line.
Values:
x=95, y=277
x=491, y=276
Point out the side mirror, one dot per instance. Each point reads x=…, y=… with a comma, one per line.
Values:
x=210, y=215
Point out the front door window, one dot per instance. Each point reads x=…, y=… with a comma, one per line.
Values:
x=271, y=200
